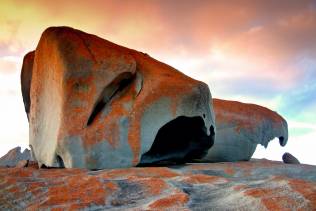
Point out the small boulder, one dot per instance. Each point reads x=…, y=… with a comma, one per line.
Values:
x=290, y=159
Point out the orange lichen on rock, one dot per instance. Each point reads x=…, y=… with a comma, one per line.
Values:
x=75, y=187
x=103, y=104
x=201, y=178
x=229, y=170
x=154, y=172
x=152, y=186
x=283, y=193
x=306, y=189
x=177, y=200
x=268, y=186
x=243, y=112
x=272, y=199
x=259, y=192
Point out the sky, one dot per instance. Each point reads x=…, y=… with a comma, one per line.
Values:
x=261, y=52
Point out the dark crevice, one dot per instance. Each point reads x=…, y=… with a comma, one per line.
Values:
x=43, y=166
x=281, y=141
x=179, y=141
x=212, y=131
x=116, y=86
x=139, y=82
x=60, y=162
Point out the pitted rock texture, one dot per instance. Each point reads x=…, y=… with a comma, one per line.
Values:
x=96, y=105
x=240, y=127
x=253, y=185
x=14, y=156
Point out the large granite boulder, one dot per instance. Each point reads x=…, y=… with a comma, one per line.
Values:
x=95, y=105
x=252, y=185
x=241, y=127
x=14, y=156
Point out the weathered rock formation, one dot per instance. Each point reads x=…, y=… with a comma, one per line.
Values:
x=26, y=76
x=240, y=127
x=253, y=185
x=14, y=156
x=290, y=159
x=94, y=104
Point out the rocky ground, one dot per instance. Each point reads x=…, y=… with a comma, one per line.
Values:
x=253, y=185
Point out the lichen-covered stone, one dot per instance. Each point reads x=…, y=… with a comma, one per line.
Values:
x=252, y=185
x=240, y=127
x=95, y=105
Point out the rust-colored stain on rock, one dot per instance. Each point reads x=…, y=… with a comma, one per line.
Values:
x=90, y=97
x=248, y=115
x=266, y=186
x=170, y=202
x=201, y=178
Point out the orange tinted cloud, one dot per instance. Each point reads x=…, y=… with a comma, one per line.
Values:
x=218, y=40
x=8, y=65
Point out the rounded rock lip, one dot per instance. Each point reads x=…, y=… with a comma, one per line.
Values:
x=241, y=127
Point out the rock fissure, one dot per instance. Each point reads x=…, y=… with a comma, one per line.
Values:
x=113, y=89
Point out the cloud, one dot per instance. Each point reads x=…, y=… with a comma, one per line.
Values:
x=9, y=64
x=246, y=44
x=254, y=51
x=9, y=44
x=249, y=28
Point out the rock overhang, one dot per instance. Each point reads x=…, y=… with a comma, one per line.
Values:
x=241, y=127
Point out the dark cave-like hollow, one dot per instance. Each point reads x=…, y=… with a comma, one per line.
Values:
x=179, y=141
x=60, y=162
x=282, y=141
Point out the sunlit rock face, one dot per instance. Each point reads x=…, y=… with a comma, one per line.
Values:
x=26, y=76
x=240, y=127
x=95, y=104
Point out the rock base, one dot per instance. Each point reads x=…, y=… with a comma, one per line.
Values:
x=253, y=185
